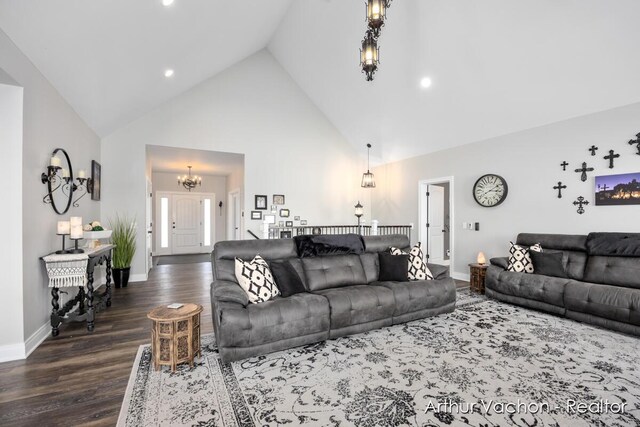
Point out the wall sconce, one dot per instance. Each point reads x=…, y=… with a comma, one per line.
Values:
x=84, y=183
x=59, y=174
x=359, y=212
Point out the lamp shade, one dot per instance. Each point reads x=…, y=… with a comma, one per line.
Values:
x=481, y=258
x=368, y=180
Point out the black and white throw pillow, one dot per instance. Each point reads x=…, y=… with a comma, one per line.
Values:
x=520, y=259
x=256, y=279
x=418, y=269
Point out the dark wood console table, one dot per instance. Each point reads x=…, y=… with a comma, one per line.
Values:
x=88, y=302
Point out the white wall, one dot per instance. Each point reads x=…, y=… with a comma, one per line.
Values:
x=529, y=161
x=163, y=181
x=11, y=338
x=253, y=108
x=49, y=122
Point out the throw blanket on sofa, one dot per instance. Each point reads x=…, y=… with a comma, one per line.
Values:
x=333, y=244
x=614, y=244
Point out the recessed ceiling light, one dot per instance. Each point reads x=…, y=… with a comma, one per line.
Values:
x=167, y=2
x=425, y=82
x=168, y=73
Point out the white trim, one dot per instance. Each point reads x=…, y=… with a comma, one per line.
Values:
x=461, y=276
x=36, y=338
x=11, y=352
x=138, y=278
x=425, y=182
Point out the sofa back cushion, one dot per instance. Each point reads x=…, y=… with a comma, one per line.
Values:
x=333, y=271
x=614, y=244
x=374, y=244
x=224, y=254
x=573, y=247
x=371, y=264
x=617, y=271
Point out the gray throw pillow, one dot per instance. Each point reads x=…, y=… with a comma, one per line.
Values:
x=548, y=263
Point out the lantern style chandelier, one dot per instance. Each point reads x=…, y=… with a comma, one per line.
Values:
x=370, y=51
x=188, y=181
x=376, y=15
x=368, y=180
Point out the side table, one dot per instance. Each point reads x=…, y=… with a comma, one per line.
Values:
x=175, y=335
x=478, y=274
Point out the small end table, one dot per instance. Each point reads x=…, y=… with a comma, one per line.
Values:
x=175, y=335
x=478, y=274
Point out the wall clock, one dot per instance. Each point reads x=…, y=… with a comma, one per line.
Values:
x=490, y=190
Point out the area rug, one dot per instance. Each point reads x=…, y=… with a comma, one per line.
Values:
x=486, y=364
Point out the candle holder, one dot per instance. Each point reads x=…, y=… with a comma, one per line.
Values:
x=63, y=250
x=75, y=250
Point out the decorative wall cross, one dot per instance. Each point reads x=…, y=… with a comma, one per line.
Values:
x=611, y=157
x=593, y=150
x=559, y=187
x=564, y=165
x=636, y=142
x=584, y=171
x=581, y=202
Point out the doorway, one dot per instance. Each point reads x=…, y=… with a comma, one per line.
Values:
x=435, y=205
x=235, y=216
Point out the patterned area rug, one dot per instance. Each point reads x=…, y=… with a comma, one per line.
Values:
x=486, y=364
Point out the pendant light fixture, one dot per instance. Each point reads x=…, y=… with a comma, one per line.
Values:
x=188, y=181
x=376, y=14
x=368, y=180
x=369, y=55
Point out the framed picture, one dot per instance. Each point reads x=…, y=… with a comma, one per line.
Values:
x=274, y=208
x=289, y=224
x=256, y=215
x=96, y=181
x=621, y=189
x=285, y=234
x=261, y=202
x=284, y=213
x=278, y=199
x=303, y=222
x=281, y=224
x=296, y=218
x=270, y=219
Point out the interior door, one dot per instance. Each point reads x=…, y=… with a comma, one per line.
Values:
x=234, y=215
x=186, y=224
x=149, y=224
x=435, y=229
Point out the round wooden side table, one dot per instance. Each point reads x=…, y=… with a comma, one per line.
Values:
x=478, y=274
x=175, y=335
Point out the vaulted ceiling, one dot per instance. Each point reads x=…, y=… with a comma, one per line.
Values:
x=497, y=66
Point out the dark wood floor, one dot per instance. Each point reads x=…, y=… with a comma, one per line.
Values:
x=79, y=378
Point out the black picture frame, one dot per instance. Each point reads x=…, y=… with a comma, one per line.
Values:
x=96, y=180
x=261, y=202
x=303, y=222
x=284, y=213
x=288, y=224
x=256, y=215
x=278, y=199
x=285, y=234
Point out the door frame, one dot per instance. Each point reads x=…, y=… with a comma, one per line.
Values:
x=423, y=212
x=230, y=218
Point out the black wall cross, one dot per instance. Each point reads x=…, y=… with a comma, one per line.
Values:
x=584, y=171
x=581, y=202
x=593, y=150
x=636, y=142
x=559, y=187
x=611, y=157
x=564, y=165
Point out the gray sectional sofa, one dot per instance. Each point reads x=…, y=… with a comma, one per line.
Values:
x=344, y=297
x=602, y=287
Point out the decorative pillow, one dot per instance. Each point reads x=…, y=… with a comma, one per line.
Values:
x=548, y=263
x=393, y=268
x=256, y=280
x=287, y=278
x=519, y=258
x=418, y=269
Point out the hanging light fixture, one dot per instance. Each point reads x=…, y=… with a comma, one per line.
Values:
x=376, y=15
x=189, y=182
x=369, y=55
x=368, y=181
x=359, y=212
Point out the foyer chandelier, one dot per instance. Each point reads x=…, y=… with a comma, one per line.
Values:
x=368, y=180
x=370, y=51
x=189, y=181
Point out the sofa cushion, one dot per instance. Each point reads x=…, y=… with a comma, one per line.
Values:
x=359, y=304
x=393, y=268
x=419, y=295
x=614, y=244
x=610, y=302
x=417, y=266
x=520, y=257
x=287, y=278
x=573, y=247
x=371, y=265
x=618, y=271
x=532, y=286
x=374, y=244
x=256, y=279
x=225, y=252
x=328, y=244
x=275, y=320
x=333, y=271
x=548, y=263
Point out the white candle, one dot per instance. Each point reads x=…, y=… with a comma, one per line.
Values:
x=82, y=173
x=55, y=161
x=65, y=173
x=64, y=227
x=76, y=231
x=76, y=220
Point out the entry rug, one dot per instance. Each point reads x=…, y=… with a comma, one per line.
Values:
x=486, y=364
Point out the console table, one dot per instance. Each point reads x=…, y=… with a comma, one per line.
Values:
x=88, y=302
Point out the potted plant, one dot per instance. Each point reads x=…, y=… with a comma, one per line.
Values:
x=124, y=237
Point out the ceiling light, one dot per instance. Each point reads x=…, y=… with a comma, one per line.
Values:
x=189, y=181
x=168, y=73
x=376, y=14
x=368, y=180
x=369, y=55
x=425, y=82
x=167, y=2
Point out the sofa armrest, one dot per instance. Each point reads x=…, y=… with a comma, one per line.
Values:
x=439, y=271
x=225, y=291
x=502, y=262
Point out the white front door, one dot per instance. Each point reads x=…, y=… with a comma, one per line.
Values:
x=435, y=229
x=186, y=224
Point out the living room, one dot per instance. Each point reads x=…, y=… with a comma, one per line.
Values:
x=279, y=117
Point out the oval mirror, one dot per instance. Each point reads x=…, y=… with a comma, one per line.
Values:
x=59, y=182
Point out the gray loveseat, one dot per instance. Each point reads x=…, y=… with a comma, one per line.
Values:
x=344, y=297
x=602, y=287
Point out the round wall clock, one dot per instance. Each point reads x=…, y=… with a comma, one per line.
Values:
x=490, y=190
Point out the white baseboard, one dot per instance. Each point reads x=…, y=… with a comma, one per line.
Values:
x=11, y=352
x=461, y=276
x=36, y=338
x=138, y=278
